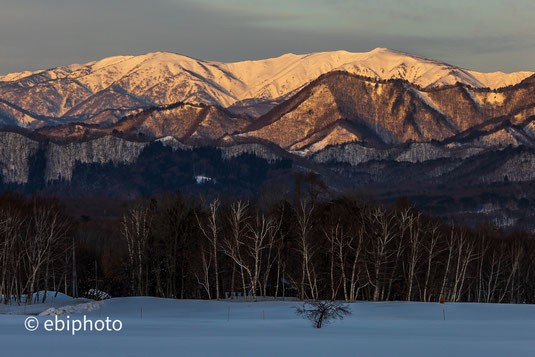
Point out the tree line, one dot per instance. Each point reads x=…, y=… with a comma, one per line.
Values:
x=329, y=248
x=34, y=242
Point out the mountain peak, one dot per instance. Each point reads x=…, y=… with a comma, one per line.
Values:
x=380, y=49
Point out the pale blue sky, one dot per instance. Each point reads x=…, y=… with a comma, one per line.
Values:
x=486, y=35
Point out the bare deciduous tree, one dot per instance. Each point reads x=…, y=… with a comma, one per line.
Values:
x=210, y=231
x=321, y=313
x=307, y=250
x=135, y=229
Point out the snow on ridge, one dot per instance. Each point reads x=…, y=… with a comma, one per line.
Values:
x=17, y=75
x=169, y=77
x=173, y=143
x=423, y=96
x=260, y=71
x=495, y=80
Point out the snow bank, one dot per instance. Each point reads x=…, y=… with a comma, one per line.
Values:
x=52, y=300
x=71, y=309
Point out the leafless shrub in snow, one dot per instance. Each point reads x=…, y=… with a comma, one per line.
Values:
x=322, y=312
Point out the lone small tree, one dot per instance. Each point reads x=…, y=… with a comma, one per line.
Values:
x=322, y=312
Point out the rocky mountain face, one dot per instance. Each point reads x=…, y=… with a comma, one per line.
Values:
x=186, y=122
x=340, y=107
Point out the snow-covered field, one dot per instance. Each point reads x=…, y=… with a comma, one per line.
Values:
x=162, y=327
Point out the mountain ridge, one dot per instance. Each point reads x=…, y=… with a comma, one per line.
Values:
x=392, y=111
x=335, y=108
x=106, y=90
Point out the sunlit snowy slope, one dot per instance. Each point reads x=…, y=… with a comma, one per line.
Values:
x=121, y=85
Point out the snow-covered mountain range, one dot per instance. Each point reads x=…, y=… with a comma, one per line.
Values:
x=106, y=90
x=386, y=121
